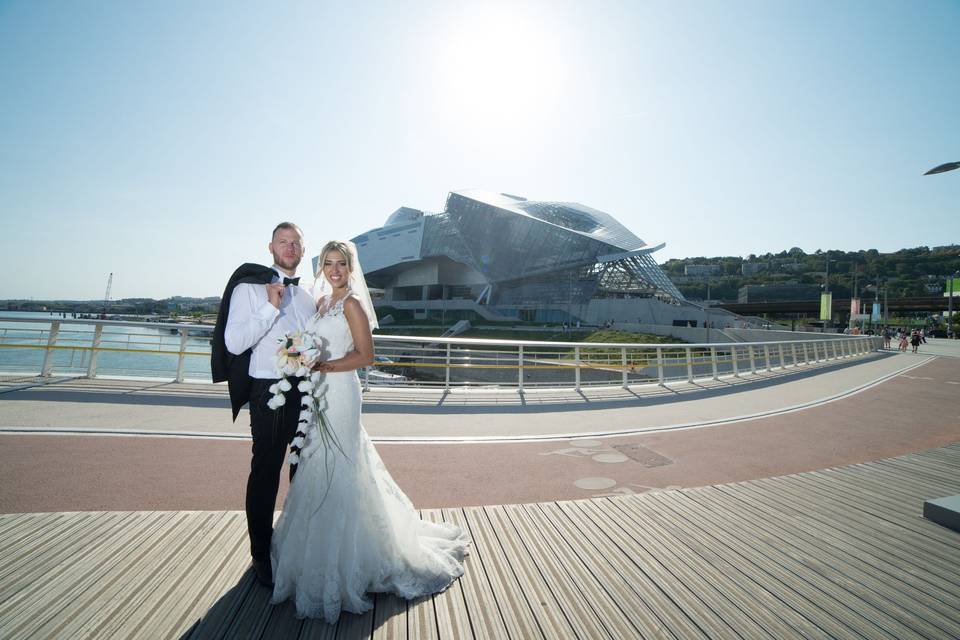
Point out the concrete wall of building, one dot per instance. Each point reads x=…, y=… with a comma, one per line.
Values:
x=644, y=310
x=420, y=273
x=700, y=335
x=457, y=273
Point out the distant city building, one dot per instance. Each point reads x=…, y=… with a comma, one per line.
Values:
x=751, y=268
x=701, y=269
x=778, y=292
x=502, y=257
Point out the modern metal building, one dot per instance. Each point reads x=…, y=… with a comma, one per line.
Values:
x=500, y=256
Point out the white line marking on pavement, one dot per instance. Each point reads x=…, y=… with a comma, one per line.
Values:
x=480, y=439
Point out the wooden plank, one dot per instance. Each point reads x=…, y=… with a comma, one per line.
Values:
x=65, y=587
x=181, y=590
x=905, y=481
x=842, y=572
x=127, y=594
x=282, y=622
x=762, y=583
x=578, y=560
x=903, y=552
x=877, y=485
x=847, y=549
x=743, y=601
x=483, y=610
x=422, y=618
x=577, y=609
x=44, y=543
x=837, y=501
x=543, y=602
x=889, y=481
x=788, y=573
x=130, y=591
x=351, y=626
x=941, y=458
x=250, y=618
x=510, y=600
x=657, y=614
x=215, y=621
x=450, y=606
x=920, y=474
x=314, y=629
x=389, y=617
x=926, y=467
x=669, y=576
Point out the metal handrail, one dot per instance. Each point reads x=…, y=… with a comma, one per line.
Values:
x=536, y=363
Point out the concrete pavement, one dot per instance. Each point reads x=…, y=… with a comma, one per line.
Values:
x=861, y=410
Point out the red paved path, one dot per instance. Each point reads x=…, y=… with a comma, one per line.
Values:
x=83, y=473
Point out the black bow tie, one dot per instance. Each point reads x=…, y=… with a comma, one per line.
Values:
x=293, y=281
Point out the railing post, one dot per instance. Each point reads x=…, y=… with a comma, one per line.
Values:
x=753, y=360
x=766, y=355
x=623, y=363
x=713, y=361
x=733, y=360
x=97, y=335
x=783, y=364
x=47, y=367
x=182, y=357
x=793, y=352
x=576, y=369
x=660, y=366
x=806, y=354
x=520, y=368
x=446, y=373
x=689, y=365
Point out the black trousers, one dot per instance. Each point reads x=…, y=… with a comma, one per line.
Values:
x=272, y=432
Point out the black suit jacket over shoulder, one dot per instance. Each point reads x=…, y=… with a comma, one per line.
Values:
x=235, y=369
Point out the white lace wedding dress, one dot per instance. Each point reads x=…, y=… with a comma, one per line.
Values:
x=347, y=529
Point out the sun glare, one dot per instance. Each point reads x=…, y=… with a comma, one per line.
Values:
x=498, y=67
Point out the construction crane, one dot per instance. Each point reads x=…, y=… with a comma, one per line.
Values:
x=106, y=297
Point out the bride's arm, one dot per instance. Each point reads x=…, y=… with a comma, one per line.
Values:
x=362, y=354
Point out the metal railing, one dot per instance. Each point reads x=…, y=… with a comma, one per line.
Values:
x=182, y=351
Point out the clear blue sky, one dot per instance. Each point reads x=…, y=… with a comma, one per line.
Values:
x=162, y=141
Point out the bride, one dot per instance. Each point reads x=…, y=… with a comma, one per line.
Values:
x=346, y=528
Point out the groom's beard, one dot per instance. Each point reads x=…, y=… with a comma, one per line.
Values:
x=290, y=263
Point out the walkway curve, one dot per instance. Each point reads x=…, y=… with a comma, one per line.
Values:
x=910, y=411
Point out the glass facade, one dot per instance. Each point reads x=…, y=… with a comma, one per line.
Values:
x=548, y=254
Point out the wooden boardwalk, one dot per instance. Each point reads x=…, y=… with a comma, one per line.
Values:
x=838, y=553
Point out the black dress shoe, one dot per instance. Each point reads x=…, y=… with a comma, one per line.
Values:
x=264, y=572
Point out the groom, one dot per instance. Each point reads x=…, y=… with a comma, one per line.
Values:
x=259, y=306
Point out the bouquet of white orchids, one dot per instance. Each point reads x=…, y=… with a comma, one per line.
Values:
x=297, y=353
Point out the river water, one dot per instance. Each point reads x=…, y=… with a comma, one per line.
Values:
x=129, y=351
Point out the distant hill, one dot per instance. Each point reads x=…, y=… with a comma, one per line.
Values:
x=133, y=306
x=920, y=271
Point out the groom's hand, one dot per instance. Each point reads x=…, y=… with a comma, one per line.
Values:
x=275, y=293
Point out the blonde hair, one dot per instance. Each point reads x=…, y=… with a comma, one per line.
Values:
x=335, y=245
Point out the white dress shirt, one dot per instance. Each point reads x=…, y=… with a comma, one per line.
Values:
x=254, y=322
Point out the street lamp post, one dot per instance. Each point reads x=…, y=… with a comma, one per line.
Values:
x=943, y=168
x=706, y=309
x=826, y=289
x=950, y=332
